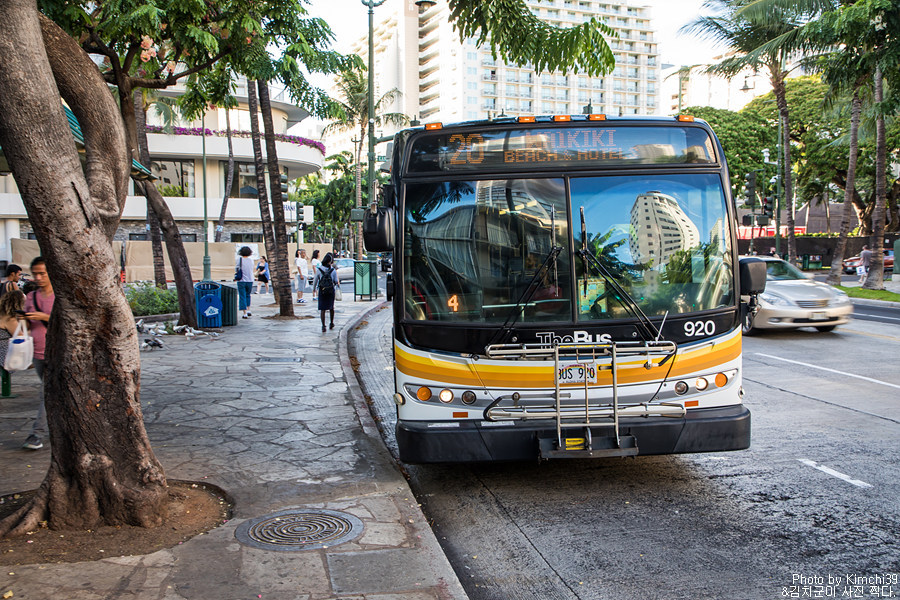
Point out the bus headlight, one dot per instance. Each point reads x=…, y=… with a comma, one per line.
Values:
x=681, y=388
x=446, y=396
x=701, y=383
x=468, y=397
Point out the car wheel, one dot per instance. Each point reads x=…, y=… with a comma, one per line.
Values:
x=747, y=325
x=826, y=328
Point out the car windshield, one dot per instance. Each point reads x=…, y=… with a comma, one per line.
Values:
x=343, y=262
x=779, y=270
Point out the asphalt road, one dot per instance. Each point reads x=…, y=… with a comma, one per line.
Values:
x=816, y=496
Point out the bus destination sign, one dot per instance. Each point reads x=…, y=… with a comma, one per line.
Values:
x=469, y=150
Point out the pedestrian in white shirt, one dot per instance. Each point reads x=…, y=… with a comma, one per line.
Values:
x=302, y=274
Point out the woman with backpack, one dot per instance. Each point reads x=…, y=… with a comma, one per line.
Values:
x=326, y=282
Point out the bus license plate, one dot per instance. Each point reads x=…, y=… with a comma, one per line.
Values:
x=577, y=373
x=819, y=316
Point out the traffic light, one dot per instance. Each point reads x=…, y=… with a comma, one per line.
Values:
x=284, y=184
x=768, y=207
x=750, y=187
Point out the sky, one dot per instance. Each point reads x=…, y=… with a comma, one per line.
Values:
x=349, y=20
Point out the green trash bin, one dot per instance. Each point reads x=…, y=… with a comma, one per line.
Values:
x=805, y=263
x=229, y=305
x=365, y=279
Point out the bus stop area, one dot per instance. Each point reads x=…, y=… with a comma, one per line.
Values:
x=271, y=412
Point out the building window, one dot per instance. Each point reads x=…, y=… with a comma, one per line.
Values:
x=138, y=237
x=247, y=238
x=244, y=184
x=188, y=237
x=174, y=177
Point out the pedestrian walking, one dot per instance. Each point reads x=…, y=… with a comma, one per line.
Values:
x=12, y=305
x=865, y=261
x=38, y=307
x=302, y=264
x=13, y=273
x=262, y=275
x=315, y=263
x=326, y=282
x=245, y=282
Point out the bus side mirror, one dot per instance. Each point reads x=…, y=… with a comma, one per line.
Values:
x=387, y=196
x=753, y=276
x=378, y=229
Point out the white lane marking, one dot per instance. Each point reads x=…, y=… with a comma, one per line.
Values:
x=834, y=473
x=797, y=362
x=861, y=317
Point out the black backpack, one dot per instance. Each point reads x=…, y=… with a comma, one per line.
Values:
x=326, y=283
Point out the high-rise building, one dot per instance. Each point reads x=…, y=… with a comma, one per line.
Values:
x=443, y=78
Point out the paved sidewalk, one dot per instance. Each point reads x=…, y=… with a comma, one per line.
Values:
x=275, y=436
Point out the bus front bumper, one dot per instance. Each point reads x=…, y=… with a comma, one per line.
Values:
x=700, y=430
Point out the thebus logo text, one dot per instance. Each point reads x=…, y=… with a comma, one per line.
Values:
x=577, y=337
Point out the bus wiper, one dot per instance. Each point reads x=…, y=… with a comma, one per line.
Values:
x=529, y=291
x=648, y=329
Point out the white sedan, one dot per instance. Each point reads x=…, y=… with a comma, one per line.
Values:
x=793, y=300
x=345, y=268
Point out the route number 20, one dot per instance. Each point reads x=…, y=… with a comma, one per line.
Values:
x=698, y=328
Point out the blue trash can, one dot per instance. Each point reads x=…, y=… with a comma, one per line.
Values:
x=209, y=304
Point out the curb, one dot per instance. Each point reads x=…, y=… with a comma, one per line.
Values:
x=359, y=399
x=869, y=302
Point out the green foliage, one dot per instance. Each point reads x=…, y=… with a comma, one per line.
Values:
x=144, y=298
x=172, y=191
x=514, y=33
x=743, y=136
x=858, y=292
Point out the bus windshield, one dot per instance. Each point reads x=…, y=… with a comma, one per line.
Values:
x=664, y=238
x=481, y=251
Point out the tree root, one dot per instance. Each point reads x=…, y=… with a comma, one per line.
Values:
x=29, y=517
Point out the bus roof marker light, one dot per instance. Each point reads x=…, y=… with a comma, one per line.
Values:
x=686, y=118
x=562, y=118
x=526, y=119
x=431, y=126
x=597, y=117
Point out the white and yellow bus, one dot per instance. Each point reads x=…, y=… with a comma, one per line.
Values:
x=563, y=286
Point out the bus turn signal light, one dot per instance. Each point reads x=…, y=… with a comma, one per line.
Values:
x=423, y=394
x=721, y=379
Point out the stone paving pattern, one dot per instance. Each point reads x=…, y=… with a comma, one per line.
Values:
x=273, y=435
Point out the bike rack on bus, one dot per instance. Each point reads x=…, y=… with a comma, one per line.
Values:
x=587, y=416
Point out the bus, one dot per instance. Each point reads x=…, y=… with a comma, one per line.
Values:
x=563, y=287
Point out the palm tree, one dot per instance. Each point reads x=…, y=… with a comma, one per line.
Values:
x=353, y=87
x=264, y=213
x=749, y=37
x=282, y=280
x=229, y=178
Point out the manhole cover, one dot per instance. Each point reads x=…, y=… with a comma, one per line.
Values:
x=293, y=530
x=279, y=359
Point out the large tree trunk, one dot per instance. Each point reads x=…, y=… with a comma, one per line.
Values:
x=264, y=214
x=159, y=265
x=781, y=100
x=837, y=268
x=875, y=279
x=229, y=179
x=102, y=470
x=282, y=269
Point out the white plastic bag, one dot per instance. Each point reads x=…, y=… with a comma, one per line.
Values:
x=337, y=294
x=21, y=349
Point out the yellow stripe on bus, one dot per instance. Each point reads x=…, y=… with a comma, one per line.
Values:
x=520, y=374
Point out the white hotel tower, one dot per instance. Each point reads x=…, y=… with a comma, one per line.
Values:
x=443, y=79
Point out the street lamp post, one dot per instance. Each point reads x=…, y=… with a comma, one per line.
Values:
x=207, y=264
x=371, y=4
